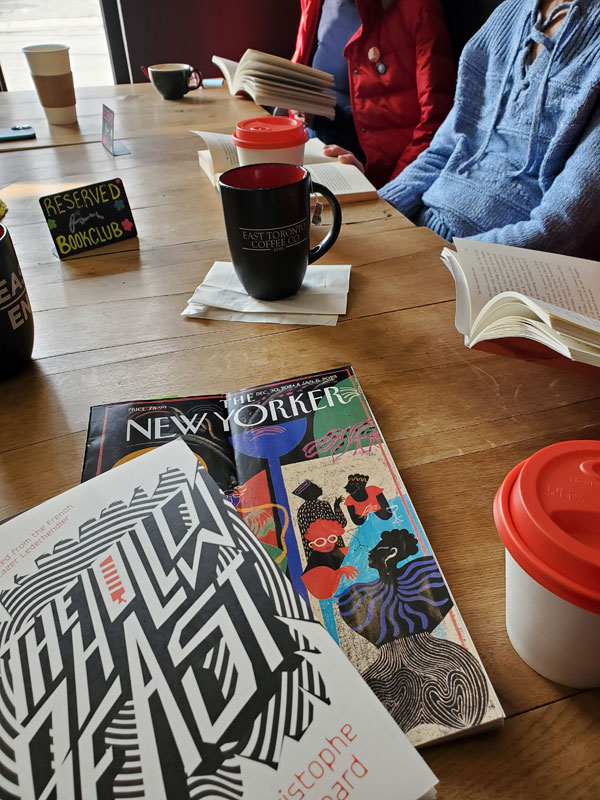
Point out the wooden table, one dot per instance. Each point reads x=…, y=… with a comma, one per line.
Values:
x=108, y=328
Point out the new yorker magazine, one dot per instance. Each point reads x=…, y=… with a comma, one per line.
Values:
x=150, y=648
x=305, y=465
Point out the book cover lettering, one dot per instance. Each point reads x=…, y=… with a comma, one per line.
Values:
x=154, y=649
x=305, y=464
x=87, y=217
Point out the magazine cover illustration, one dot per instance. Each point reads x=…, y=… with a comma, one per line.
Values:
x=304, y=463
x=151, y=648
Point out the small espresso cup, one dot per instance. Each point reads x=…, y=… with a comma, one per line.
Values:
x=172, y=81
x=267, y=219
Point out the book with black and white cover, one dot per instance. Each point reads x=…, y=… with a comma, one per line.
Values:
x=543, y=307
x=275, y=81
x=151, y=648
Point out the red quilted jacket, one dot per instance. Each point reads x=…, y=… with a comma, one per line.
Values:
x=396, y=111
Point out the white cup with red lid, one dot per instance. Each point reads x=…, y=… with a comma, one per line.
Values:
x=264, y=140
x=547, y=512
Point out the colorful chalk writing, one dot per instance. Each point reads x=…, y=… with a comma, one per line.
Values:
x=87, y=217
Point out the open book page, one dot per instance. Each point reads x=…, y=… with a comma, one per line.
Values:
x=563, y=281
x=228, y=68
x=271, y=80
x=346, y=181
x=313, y=153
x=220, y=156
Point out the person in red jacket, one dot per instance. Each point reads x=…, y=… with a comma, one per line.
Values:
x=394, y=77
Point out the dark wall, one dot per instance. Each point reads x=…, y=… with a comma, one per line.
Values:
x=191, y=31
x=464, y=17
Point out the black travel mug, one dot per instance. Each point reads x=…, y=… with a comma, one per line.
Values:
x=16, y=320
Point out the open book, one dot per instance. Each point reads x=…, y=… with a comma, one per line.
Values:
x=275, y=81
x=305, y=465
x=151, y=648
x=526, y=303
x=347, y=182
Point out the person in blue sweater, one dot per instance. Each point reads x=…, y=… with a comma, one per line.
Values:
x=517, y=160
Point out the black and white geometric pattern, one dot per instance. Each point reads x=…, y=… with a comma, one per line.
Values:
x=149, y=654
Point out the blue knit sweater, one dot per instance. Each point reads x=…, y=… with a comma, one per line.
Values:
x=517, y=160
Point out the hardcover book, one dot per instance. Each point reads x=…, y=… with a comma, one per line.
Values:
x=304, y=463
x=151, y=648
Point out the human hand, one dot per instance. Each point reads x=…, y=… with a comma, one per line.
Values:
x=306, y=119
x=344, y=156
x=368, y=509
x=349, y=571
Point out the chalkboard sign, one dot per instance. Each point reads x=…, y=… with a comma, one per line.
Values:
x=89, y=216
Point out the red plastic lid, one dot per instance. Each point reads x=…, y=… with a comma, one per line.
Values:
x=269, y=133
x=547, y=512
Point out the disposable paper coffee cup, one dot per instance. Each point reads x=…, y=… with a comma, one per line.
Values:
x=51, y=72
x=547, y=512
x=283, y=155
x=556, y=638
x=265, y=140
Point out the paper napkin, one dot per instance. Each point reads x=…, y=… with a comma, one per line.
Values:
x=320, y=299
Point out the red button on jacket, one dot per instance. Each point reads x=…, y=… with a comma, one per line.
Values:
x=396, y=112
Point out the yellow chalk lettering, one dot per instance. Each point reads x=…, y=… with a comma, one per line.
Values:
x=117, y=229
x=49, y=206
x=63, y=245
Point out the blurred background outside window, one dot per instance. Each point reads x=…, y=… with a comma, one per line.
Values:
x=77, y=23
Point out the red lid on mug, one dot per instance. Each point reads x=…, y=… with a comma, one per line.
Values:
x=547, y=512
x=269, y=133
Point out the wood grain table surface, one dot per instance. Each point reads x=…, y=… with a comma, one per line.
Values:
x=108, y=328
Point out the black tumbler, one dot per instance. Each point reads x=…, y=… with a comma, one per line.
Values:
x=16, y=320
x=267, y=218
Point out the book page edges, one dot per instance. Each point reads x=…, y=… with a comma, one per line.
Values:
x=257, y=56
